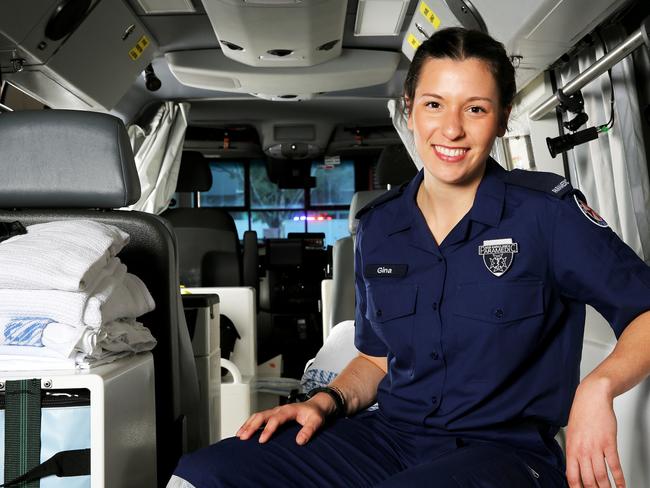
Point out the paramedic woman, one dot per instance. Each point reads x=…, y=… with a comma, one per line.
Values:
x=471, y=283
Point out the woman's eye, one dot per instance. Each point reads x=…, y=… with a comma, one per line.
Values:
x=476, y=109
x=432, y=105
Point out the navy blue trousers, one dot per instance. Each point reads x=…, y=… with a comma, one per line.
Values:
x=366, y=451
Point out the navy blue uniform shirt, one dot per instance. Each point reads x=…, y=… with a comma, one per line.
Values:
x=486, y=329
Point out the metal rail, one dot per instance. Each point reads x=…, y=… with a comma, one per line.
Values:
x=636, y=39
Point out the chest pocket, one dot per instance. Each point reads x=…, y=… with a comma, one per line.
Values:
x=386, y=302
x=500, y=302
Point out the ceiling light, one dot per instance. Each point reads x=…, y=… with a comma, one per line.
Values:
x=380, y=17
x=167, y=6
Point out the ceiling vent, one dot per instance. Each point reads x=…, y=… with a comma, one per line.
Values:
x=312, y=29
x=232, y=45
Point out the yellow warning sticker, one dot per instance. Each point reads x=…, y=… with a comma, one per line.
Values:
x=136, y=51
x=428, y=14
x=413, y=41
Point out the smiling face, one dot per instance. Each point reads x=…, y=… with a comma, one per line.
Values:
x=455, y=115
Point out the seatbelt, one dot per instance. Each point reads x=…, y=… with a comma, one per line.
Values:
x=22, y=429
x=64, y=463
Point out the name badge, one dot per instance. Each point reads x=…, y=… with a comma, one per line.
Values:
x=385, y=270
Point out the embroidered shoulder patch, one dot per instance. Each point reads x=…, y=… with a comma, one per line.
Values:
x=590, y=213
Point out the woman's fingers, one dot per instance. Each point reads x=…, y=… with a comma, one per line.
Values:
x=587, y=473
x=573, y=472
x=614, y=463
x=306, y=433
x=600, y=472
x=305, y=414
x=253, y=423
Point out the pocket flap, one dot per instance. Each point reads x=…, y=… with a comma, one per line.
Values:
x=500, y=302
x=387, y=302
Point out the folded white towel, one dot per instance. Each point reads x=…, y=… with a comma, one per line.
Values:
x=28, y=362
x=117, y=336
x=114, y=298
x=126, y=336
x=62, y=255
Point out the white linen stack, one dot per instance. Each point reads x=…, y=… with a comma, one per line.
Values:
x=66, y=300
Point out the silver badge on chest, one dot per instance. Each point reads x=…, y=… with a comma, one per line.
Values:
x=498, y=255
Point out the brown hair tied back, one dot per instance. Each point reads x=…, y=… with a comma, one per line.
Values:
x=458, y=44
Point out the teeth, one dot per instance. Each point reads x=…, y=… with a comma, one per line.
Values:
x=450, y=152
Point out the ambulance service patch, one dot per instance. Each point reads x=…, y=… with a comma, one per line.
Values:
x=590, y=213
x=498, y=255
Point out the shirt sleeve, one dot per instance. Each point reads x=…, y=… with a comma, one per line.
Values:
x=365, y=338
x=593, y=265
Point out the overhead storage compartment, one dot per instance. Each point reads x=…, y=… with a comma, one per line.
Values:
x=90, y=67
x=210, y=69
x=535, y=32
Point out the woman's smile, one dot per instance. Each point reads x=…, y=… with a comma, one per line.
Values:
x=450, y=154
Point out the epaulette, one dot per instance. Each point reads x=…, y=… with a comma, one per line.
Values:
x=391, y=194
x=550, y=183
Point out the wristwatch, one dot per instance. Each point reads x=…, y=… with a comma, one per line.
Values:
x=337, y=396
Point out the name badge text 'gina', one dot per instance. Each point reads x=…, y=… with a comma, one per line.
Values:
x=384, y=270
x=498, y=255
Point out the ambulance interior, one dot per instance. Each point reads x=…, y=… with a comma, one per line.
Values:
x=255, y=130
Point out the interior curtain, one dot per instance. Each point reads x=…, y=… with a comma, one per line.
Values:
x=400, y=120
x=612, y=171
x=158, y=148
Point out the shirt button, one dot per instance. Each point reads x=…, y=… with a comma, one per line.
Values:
x=434, y=400
x=498, y=313
x=435, y=305
x=434, y=355
x=440, y=260
x=378, y=312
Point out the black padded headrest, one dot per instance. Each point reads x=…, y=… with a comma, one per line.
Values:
x=65, y=159
x=394, y=167
x=194, y=174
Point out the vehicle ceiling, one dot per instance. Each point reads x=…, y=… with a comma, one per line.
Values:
x=297, y=73
x=181, y=32
x=540, y=31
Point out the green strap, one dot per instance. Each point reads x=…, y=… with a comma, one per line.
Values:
x=22, y=429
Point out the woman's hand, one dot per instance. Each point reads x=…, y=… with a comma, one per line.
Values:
x=591, y=438
x=310, y=414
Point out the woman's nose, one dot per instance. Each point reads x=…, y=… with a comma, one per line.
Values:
x=452, y=127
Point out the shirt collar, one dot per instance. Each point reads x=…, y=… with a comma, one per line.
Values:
x=488, y=203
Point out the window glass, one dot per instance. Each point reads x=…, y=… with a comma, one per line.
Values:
x=276, y=224
x=265, y=194
x=228, y=182
x=333, y=222
x=241, y=221
x=334, y=184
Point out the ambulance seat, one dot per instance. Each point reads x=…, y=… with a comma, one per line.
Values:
x=63, y=164
x=342, y=289
x=208, y=244
x=393, y=168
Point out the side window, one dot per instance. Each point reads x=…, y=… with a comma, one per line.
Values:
x=266, y=194
x=333, y=194
x=334, y=184
x=243, y=189
x=228, y=186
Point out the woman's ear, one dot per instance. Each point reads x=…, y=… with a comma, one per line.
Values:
x=503, y=126
x=408, y=112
